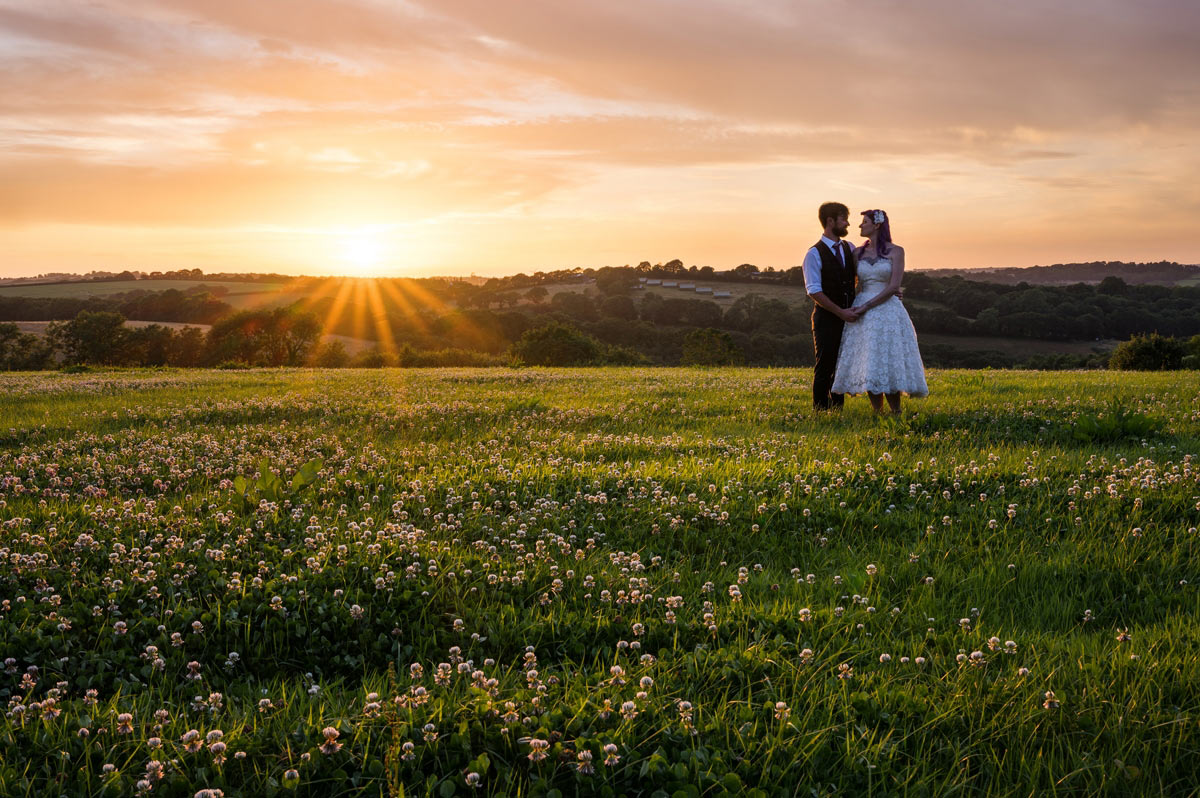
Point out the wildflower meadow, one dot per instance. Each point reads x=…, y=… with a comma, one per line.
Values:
x=597, y=582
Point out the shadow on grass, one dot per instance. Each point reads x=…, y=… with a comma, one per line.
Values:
x=1114, y=425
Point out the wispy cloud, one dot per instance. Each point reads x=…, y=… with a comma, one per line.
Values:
x=556, y=132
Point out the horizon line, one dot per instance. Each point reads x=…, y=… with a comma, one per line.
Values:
x=141, y=274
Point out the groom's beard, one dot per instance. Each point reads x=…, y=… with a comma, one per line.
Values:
x=841, y=232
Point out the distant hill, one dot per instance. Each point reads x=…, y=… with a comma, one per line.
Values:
x=1161, y=273
x=101, y=283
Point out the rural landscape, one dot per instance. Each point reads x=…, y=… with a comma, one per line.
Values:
x=1054, y=317
x=561, y=399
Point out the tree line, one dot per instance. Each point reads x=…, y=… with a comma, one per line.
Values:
x=194, y=306
x=1112, y=309
x=278, y=337
x=1167, y=272
x=605, y=319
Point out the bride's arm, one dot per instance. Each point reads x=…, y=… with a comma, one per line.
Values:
x=896, y=256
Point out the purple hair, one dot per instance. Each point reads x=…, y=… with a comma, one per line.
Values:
x=885, y=233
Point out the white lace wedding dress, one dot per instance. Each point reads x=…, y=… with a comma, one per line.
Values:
x=879, y=352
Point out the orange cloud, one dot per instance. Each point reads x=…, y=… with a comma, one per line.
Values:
x=497, y=137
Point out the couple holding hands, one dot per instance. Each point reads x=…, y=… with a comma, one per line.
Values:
x=863, y=337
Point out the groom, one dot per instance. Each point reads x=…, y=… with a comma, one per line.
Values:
x=829, y=272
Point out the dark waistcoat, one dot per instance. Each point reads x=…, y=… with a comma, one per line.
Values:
x=837, y=281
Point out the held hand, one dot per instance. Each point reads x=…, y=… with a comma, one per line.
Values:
x=849, y=315
x=900, y=294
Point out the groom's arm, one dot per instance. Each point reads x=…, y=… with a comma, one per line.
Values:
x=845, y=314
x=816, y=292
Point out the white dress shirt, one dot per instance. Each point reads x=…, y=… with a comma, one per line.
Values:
x=812, y=264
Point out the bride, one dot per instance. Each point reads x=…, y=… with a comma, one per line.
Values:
x=879, y=354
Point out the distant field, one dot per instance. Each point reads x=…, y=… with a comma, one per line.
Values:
x=353, y=345
x=241, y=296
x=791, y=294
x=83, y=290
x=39, y=327
x=263, y=299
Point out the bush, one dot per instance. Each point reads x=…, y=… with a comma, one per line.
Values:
x=709, y=347
x=556, y=344
x=1152, y=352
x=276, y=337
x=372, y=359
x=23, y=351
x=98, y=337
x=433, y=358
x=331, y=355
x=614, y=355
x=1055, y=361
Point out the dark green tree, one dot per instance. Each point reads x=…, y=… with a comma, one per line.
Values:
x=556, y=344
x=331, y=354
x=92, y=337
x=709, y=347
x=189, y=347
x=575, y=305
x=277, y=337
x=1152, y=352
x=620, y=307
x=614, y=282
x=23, y=351
x=152, y=345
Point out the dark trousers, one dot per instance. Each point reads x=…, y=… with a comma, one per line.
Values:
x=827, y=339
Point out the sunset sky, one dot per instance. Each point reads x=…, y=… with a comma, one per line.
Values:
x=416, y=137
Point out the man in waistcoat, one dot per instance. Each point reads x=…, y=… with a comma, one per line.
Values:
x=829, y=273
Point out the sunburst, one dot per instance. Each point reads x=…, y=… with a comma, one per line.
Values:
x=362, y=252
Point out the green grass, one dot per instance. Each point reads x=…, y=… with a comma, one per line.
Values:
x=1054, y=510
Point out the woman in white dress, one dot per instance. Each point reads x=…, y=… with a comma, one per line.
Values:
x=879, y=354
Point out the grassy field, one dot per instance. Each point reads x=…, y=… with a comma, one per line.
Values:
x=597, y=582
x=1019, y=346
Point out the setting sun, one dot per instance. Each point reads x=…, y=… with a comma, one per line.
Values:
x=361, y=252
x=470, y=137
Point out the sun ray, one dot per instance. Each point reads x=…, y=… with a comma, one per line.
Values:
x=324, y=288
x=383, y=327
x=360, y=310
x=425, y=297
x=337, y=308
x=412, y=314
